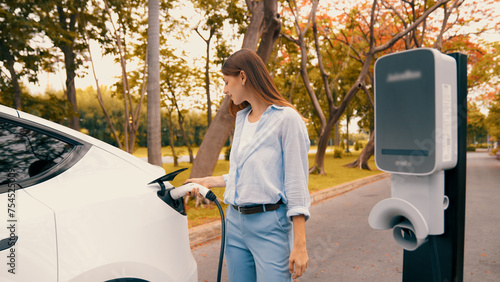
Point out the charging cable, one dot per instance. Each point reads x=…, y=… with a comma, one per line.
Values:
x=181, y=191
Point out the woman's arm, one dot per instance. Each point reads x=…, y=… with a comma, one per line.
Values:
x=298, y=257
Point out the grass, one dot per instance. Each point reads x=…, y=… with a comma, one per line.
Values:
x=335, y=174
x=142, y=152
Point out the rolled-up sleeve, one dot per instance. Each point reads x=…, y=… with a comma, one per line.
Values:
x=295, y=145
x=225, y=177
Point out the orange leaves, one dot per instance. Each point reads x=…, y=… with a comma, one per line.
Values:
x=285, y=55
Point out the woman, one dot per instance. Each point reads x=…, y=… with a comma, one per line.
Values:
x=267, y=183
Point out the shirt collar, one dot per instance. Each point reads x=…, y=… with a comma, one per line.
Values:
x=273, y=106
x=278, y=107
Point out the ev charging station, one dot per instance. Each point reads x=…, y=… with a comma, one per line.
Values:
x=420, y=129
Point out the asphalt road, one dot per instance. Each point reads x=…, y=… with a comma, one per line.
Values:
x=343, y=247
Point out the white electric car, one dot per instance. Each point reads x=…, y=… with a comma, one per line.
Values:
x=74, y=208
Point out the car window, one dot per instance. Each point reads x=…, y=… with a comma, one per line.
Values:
x=26, y=153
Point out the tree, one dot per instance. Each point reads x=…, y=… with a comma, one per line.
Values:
x=476, y=127
x=265, y=25
x=365, y=112
x=369, y=31
x=216, y=13
x=176, y=79
x=131, y=115
x=449, y=32
x=65, y=23
x=492, y=122
x=154, y=119
x=17, y=29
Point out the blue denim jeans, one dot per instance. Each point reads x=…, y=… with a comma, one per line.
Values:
x=258, y=245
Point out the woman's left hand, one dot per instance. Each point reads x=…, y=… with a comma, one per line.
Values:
x=298, y=261
x=298, y=257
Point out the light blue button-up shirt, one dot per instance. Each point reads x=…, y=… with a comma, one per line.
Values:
x=275, y=164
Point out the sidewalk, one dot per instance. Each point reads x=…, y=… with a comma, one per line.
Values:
x=202, y=234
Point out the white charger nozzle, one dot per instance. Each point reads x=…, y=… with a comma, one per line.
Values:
x=181, y=191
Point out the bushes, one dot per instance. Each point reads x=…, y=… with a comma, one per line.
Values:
x=337, y=153
x=358, y=145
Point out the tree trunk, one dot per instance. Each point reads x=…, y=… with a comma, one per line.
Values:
x=171, y=137
x=336, y=141
x=207, y=82
x=368, y=151
x=223, y=123
x=318, y=166
x=347, y=134
x=180, y=119
x=69, y=62
x=253, y=33
x=99, y=98
x=334, y=115
x=217, y=134
x=207, y=73
x=319, y=161
x=131, y=137
x=15, y=81
x=153, y=105
x=271, y=30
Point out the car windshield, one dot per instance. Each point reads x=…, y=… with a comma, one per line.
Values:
x=25, y=153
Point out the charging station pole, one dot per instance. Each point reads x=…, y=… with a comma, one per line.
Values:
x=442, y=257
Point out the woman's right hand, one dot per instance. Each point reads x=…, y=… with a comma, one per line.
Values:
x=202, y=181
x=196, y=191
x=208, y=181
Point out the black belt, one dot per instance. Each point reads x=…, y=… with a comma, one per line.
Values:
x=258, y=208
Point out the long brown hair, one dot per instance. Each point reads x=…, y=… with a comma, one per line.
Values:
x=258, y=78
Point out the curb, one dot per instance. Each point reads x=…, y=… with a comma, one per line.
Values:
x=205, y=233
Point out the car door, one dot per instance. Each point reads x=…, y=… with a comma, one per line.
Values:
x=28, y=247
x=28, y=241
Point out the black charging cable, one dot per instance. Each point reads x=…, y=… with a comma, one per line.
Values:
x=212, y=197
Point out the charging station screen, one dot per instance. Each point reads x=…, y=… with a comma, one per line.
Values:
x=405, y=112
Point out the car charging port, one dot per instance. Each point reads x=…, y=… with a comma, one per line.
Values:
x=176, y=204
x=164, y=193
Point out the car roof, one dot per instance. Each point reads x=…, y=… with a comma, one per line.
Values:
x=20, y=116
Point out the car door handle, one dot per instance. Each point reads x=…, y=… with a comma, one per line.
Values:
x=8, y=243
